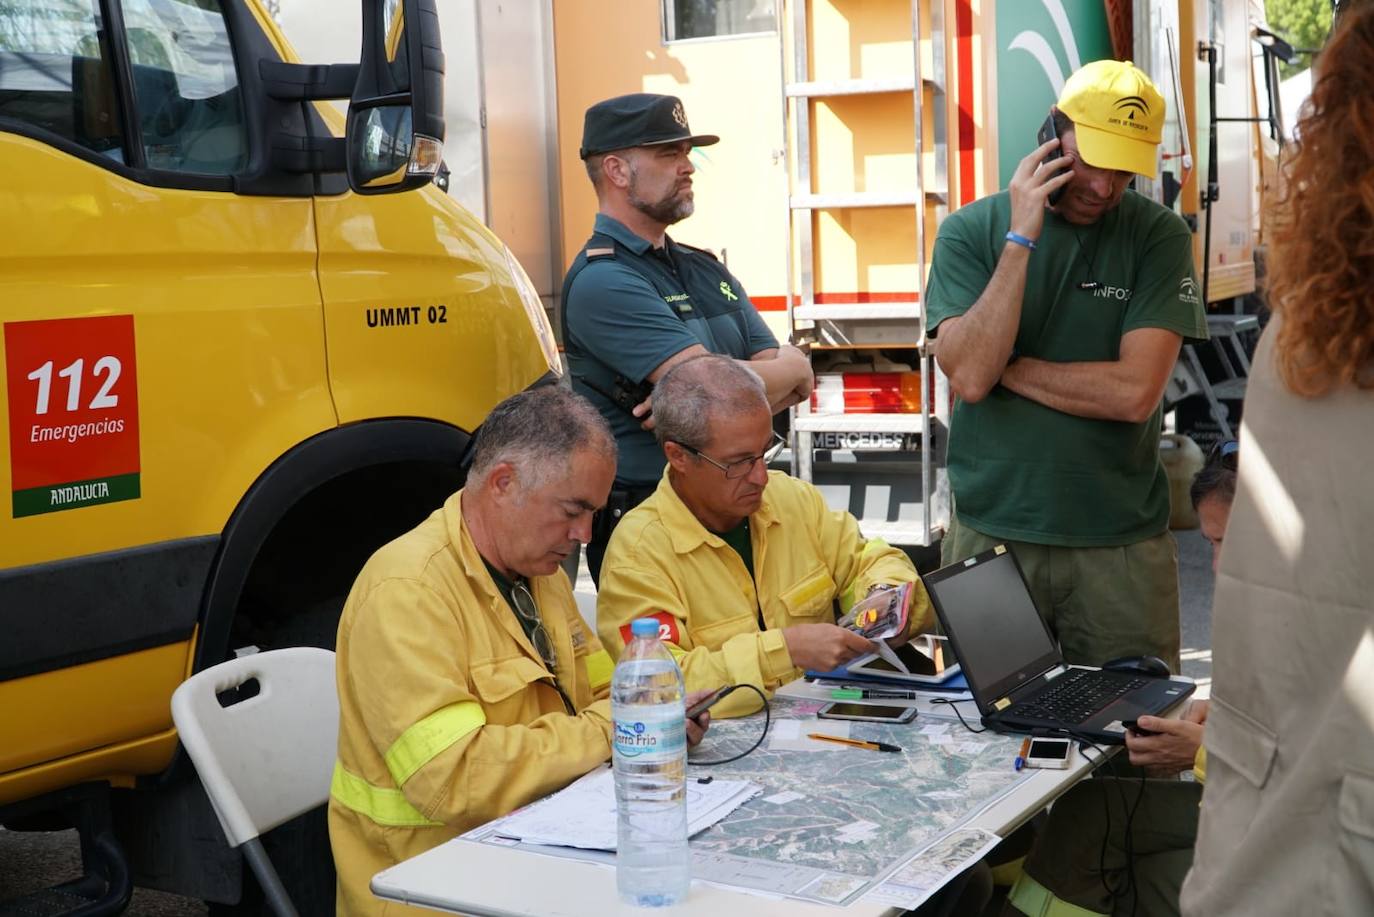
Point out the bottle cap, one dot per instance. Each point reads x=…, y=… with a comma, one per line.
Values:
x=644, y=627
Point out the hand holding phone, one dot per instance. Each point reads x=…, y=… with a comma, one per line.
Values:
x=1046, y=134
x=1134, y=726
x=1033, y=186
x=710, y=700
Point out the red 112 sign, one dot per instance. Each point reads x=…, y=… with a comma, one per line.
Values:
x=73, y=402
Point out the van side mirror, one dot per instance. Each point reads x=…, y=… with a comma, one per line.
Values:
x=395, y=132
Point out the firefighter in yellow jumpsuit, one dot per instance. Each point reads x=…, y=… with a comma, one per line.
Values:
x=741, y=566
x=468, y=683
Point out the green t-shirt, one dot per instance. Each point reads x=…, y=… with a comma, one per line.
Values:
x=505, y=586
x=738, y=538
x=1023, y=471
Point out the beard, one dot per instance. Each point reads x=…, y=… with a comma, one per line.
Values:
x=672, y=208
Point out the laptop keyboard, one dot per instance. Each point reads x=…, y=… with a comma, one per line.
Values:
x=1075, y=697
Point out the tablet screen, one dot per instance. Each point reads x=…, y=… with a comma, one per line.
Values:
x=917, y=663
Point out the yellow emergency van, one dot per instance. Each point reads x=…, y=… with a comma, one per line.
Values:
x=233, y=366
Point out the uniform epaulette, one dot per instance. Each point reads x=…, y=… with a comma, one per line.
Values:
x=596, y=254
x=693, y=248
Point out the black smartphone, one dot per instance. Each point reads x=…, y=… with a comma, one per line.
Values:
x=1048, y=133
x=1133, y=726
x=709, y=701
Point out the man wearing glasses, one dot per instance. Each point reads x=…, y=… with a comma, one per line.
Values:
x=468, y=684
x=741, y=566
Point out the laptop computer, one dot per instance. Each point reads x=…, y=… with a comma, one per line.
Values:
x=1014, y=668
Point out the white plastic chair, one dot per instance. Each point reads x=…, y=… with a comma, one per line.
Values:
x=269, y=758
x=586, y=607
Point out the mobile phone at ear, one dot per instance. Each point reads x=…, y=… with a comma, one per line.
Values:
x=1048, y=133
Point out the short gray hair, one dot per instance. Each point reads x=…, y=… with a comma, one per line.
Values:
x=593, y=167
x=696, y=391
x=538, y=431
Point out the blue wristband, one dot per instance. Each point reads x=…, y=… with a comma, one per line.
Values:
x=1021, y=240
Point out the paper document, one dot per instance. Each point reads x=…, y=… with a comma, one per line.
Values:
x=786, y=735
x=912, y=884
x=584, y=814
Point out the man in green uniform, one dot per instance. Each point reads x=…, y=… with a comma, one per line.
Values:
x=636, y=303
x=1058, y=325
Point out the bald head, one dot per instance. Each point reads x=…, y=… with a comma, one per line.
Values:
x=697, y=392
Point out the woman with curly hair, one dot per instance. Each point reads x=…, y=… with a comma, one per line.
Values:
x=1287, y=824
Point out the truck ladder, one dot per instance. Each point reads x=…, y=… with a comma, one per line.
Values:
x=868, y=322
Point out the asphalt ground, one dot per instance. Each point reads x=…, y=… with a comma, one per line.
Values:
x=33, y=860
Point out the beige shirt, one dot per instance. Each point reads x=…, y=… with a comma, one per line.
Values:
x=1288, y=817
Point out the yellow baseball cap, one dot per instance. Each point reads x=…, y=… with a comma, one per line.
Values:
x=1117, y=114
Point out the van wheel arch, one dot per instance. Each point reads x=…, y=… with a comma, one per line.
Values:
x=286, y=561
x=388, y=472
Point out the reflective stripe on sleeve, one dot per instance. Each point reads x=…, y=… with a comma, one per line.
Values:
x=418, y=745
x=599, y=669
x=1035, y=900
x=383, y=806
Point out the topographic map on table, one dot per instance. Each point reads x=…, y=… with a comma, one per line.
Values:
x=830, y=825
x=836, y=823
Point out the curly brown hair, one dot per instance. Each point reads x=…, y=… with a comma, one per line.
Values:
x=1322, y=263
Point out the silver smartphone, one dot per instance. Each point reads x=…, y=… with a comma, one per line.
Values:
x=1049, y=753
x=866, y=713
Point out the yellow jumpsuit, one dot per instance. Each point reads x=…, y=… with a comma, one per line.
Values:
x=447, y=716
x=662, y=562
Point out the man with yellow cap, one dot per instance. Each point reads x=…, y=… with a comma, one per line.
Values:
x=1057, y=309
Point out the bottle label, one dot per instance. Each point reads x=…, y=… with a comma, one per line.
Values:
x=650, y=736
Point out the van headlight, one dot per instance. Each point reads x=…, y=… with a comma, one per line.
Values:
x=534, y=308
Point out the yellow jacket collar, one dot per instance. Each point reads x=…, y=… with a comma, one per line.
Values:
x=480, y=579
x=461, y=537
x=685, y=530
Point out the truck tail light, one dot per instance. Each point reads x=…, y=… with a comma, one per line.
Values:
x=870, y=393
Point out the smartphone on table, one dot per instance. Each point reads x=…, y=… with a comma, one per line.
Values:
x=866, y=713
x=1048, y=133
x=1049, y=753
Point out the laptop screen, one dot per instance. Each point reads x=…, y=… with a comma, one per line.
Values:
x=989, y=615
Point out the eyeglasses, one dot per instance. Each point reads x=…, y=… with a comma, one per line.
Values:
x=1225, y=451
x=528, y=612
x=736, y=470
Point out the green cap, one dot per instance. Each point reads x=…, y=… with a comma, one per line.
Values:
x=638, y=119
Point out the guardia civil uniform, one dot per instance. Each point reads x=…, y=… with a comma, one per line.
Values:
x=629, y=306
x=448, y=717
x=723, y=625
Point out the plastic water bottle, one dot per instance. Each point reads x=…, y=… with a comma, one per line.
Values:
x=652, y=865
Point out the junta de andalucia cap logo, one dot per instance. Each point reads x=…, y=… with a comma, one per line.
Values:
x=1118, y=116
